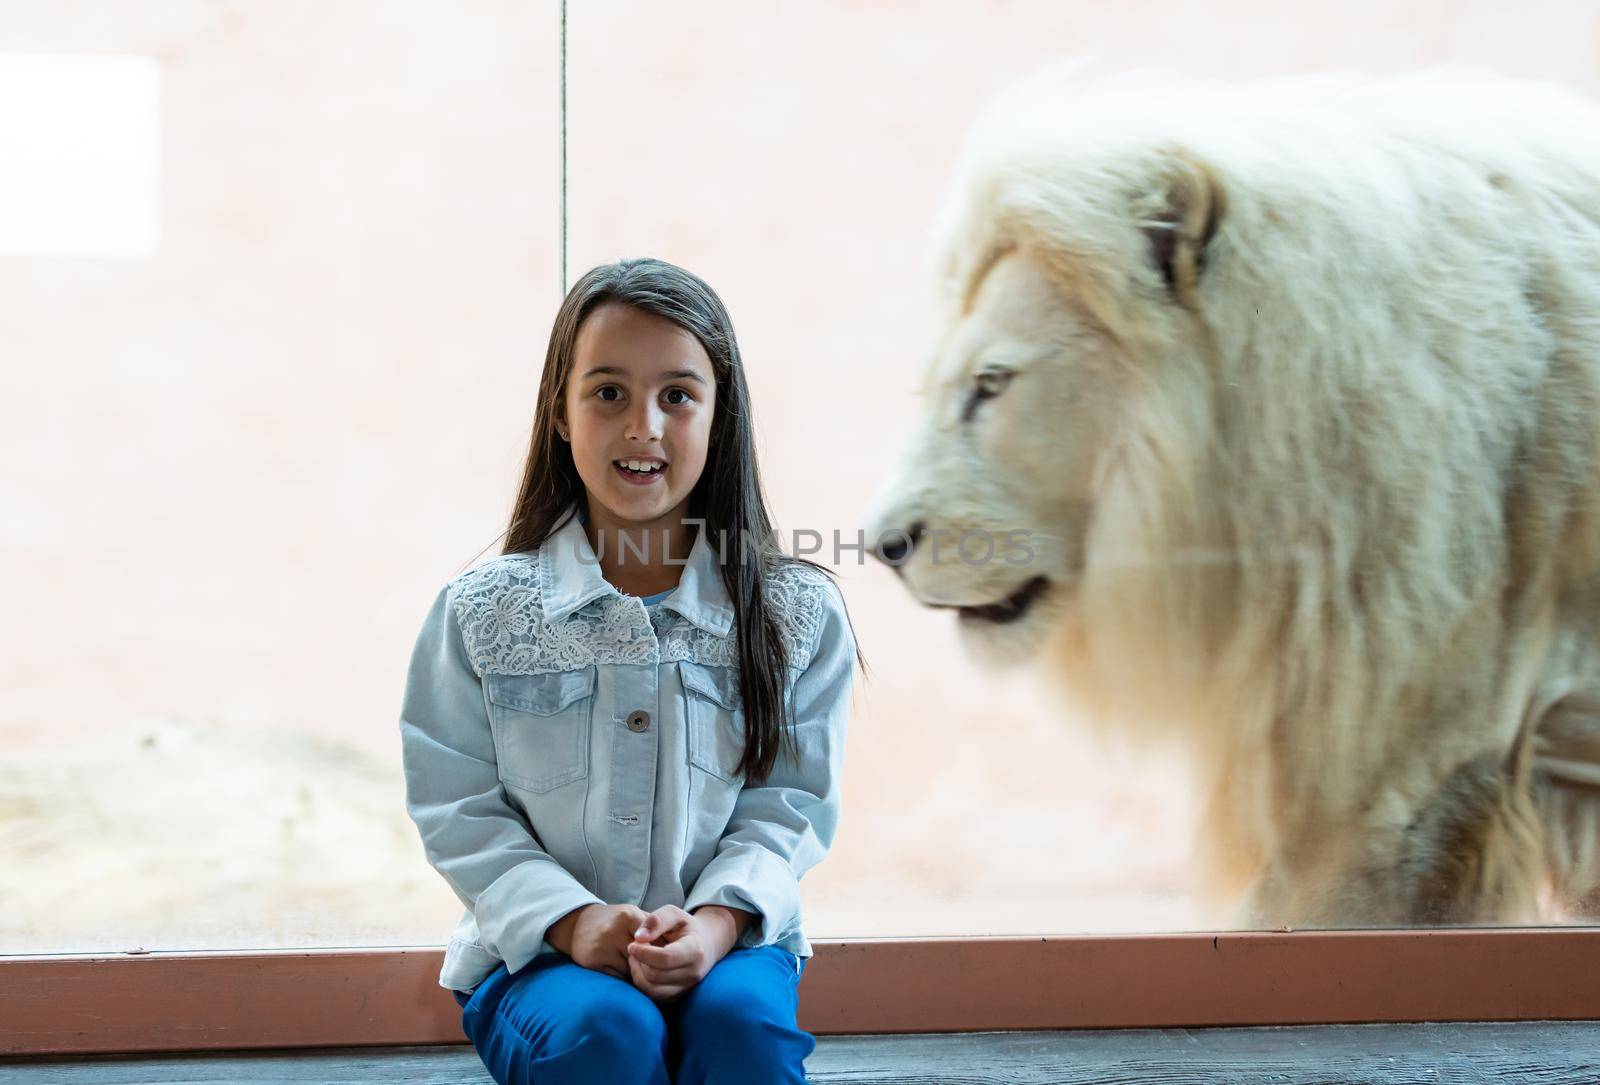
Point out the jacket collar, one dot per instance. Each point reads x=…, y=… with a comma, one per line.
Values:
x=570, y=578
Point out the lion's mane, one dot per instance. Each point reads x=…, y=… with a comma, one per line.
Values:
x=1346, y=544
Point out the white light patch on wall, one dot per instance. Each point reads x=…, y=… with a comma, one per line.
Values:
x=80, y=154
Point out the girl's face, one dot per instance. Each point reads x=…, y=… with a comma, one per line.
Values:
x=641, y=388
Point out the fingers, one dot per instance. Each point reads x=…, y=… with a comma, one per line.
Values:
x=657, y=964
x=673, y=955
x=660, y=989
x=662, y=921
x=672, y=974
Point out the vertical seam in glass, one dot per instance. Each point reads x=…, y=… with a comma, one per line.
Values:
x=563, y=148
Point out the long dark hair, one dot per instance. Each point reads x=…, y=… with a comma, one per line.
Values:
x=727, y=498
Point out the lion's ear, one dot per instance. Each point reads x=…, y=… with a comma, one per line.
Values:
x=1188, y=208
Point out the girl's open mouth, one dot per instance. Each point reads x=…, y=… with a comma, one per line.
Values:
x=654, y=470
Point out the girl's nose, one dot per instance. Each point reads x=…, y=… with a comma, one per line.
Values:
x=645, y=421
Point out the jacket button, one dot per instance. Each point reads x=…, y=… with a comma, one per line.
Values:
x=638, y=720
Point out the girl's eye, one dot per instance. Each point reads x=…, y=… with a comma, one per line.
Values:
x=604, y=388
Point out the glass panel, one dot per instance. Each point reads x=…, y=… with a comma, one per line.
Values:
x=797, y=159
x=279, y=282
x=272, y=260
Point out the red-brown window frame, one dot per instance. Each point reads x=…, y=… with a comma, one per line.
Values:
x=147, y=1002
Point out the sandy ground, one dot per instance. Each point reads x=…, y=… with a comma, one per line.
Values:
x=165, y=835
x=241, y=466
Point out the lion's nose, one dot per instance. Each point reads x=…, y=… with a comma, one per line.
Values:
x=894, y=546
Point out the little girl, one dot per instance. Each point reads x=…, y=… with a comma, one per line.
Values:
x=593, y=721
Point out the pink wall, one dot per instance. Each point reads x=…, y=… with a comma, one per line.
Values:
x=241, y=467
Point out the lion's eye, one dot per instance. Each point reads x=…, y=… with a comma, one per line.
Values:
x=985, y=385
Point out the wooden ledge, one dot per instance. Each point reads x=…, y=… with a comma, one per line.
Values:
x=339, y=998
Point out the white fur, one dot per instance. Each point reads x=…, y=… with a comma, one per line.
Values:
x=1327, y=514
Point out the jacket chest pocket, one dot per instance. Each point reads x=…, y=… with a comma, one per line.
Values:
x=541, y=726
x=715, y=723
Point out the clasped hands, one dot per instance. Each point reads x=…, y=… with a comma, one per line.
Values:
x=663, y=953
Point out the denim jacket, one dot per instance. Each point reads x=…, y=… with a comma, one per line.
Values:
x=565, y=745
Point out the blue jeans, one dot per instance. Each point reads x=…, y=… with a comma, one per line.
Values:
x=558, y=1023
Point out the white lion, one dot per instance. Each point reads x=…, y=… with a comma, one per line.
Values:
x=1279, y=405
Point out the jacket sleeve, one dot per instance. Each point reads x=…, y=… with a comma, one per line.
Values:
x=780, y=830
x=472, y=836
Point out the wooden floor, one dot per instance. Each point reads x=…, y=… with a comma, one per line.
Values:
x=1549, y=1053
